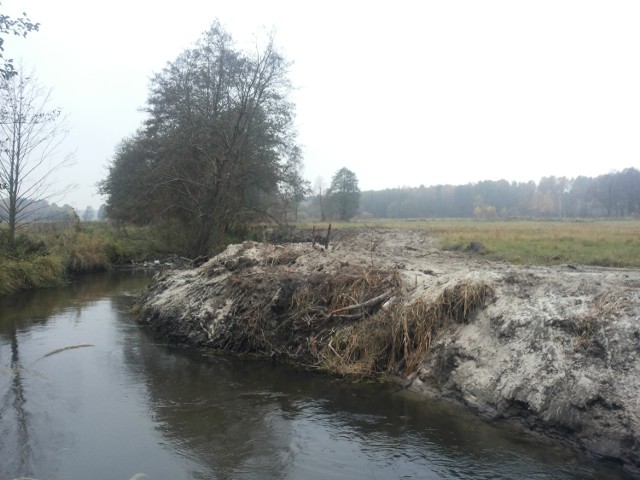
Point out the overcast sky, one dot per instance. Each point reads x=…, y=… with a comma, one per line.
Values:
x=403, y=93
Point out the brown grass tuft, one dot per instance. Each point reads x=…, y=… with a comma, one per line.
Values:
x=416, y=326
x=604, y=307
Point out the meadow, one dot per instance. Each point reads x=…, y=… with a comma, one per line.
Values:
x=49, y=254
x=603, y=243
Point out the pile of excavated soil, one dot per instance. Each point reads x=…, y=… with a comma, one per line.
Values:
x=554, y=348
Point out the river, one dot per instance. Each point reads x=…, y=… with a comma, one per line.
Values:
x=86, y=393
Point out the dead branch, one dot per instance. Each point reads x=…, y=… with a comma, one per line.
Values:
x=369, y=303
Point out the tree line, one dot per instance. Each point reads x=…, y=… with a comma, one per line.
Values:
x=615, y=194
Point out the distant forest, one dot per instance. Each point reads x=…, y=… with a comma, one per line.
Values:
x=615, y=194
x=37, y=211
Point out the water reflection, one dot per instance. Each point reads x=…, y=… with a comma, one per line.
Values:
x=14, y=408
x=35, y=306
x=246, y=419
x=23, y=420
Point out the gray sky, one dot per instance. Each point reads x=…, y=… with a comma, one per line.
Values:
x=403, y=93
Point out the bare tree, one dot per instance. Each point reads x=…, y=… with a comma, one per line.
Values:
x=30, y=134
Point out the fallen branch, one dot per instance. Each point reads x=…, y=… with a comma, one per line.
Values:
x=369, y=303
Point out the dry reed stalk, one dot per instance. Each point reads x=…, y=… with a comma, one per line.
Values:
x=416, y=326
x=400, y=339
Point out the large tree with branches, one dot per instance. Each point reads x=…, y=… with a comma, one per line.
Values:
x=217, y=147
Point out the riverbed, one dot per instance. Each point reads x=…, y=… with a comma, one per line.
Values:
x=87, y=393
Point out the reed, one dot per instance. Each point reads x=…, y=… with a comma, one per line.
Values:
x=84, y=252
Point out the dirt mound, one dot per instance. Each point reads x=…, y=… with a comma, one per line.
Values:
x=554, y=348
x=303, y=304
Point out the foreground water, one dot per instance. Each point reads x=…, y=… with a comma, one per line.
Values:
x=120, y=404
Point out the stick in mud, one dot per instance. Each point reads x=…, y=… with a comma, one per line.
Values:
x=326, y=242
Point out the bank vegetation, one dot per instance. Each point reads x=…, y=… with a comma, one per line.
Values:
x=47, y=254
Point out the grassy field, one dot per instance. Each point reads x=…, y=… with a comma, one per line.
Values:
x=48, y=253
x=588, y=242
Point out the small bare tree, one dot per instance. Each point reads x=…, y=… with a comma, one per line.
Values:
x=30, y=134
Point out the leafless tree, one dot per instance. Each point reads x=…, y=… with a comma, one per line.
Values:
x=30, y=134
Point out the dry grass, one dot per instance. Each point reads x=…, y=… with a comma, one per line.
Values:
x=278, y=313
x=399, y=338
x=592, y=323
x=358, y=350
x=416, y=326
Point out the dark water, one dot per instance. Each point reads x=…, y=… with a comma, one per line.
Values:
x=127, y=405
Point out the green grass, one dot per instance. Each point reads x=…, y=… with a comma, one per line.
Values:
x=19, y=274
x=602, y=243
x=607, y=243
x=48, y=253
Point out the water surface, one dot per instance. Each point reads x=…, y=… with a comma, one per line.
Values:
x=122, y=403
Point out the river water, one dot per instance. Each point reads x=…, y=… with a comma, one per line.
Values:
x=121, y=405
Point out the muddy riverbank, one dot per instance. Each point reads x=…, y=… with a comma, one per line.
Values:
x=555, y=349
